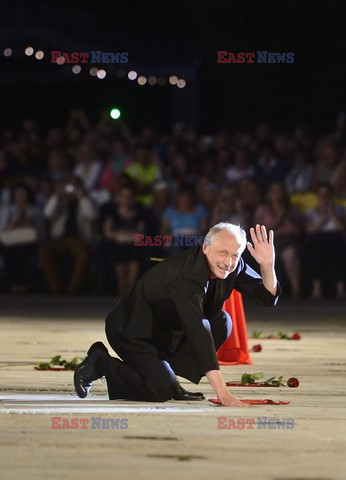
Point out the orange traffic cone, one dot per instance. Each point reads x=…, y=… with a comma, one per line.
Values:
x=235, y=349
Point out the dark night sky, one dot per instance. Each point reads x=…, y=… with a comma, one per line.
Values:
x=157, y=34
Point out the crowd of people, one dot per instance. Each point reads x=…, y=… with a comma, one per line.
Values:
x=72, y=199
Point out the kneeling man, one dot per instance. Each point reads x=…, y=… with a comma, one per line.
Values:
x=172, y=323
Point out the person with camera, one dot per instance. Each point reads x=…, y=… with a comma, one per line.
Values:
x=71, y=215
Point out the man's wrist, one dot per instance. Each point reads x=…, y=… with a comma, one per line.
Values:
x=267, y=267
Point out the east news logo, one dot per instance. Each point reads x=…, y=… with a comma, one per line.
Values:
x=254, y=57
x=86, y=57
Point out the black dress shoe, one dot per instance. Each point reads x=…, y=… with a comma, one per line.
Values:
x=86, y=372
x=182, y=394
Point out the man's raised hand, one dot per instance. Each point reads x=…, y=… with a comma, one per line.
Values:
x=262, y=249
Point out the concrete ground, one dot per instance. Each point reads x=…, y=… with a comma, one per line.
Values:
x=174, y=440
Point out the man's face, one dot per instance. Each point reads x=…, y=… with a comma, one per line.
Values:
x=222, y=254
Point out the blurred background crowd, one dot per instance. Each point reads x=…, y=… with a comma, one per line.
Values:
x=72, y=198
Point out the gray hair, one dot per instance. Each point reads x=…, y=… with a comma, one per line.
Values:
x=236, y=230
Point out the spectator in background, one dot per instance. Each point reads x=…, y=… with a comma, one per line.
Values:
x=5, y=170
x=122, y=221
x=45, y=190
x=143, y=173
x=119, y=161
x=229, y=208
x=298, y=178
x=178, y=168
x=22, y=231
x=71, y=215
x=184, y=218
x=209, y=197
x=57, y=168
x=268, y=169
x=221, y=164
x=162, y=198
x=55, y=140
x=240, y=169
x=250, y=195
x=278, y=214
x=87, y=168
x=324, y=249
x=329, y=169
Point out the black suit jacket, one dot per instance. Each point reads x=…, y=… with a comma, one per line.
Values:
x=169, y=302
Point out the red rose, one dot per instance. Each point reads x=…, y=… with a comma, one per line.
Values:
x=296, y=336
x=257, y=348
x=293, y=382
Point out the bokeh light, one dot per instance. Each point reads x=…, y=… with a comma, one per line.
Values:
x=76, y=69
x=39, y=55
x=142, y=80
x=115, y=113
x=173, y=80
x=132, y=75
x=152, y=80
x=8, y=52
x=29, y=51
x=101, y=74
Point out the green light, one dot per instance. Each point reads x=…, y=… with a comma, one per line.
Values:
x=115, y=113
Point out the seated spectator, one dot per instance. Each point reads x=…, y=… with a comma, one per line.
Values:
x=268, y=168
x=56, y=166
x=298, y=178
x=329, y=169
x=240, y=168
x=119, y=161
x=229, y=208
x=71, y=215
x=143, y=173
x=209, y=197
x=44, y=191
x=122, y=221
x=162, y=198
x=278, y=214
x=324, y=249
x=250, y=195
x=87, y=168
x=22, y=229
x=184, y=218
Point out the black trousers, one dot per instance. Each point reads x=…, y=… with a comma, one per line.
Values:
x=150, y=375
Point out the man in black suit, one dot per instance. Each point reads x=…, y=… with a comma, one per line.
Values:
x=172, y=323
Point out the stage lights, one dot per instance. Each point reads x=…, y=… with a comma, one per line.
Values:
x=115, y=113
x=132, y=75
x=142, y=80
x=101, y=74
x=152, y=80
x=76, y=69
x=173, y=79
x=29, y=51
x=39, y=55
x=8, y=52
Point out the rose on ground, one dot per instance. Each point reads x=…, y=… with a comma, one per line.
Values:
x=257, y=348
x=296, y=336
x=293, y=382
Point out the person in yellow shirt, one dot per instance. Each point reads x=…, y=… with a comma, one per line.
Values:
x=143, y=173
